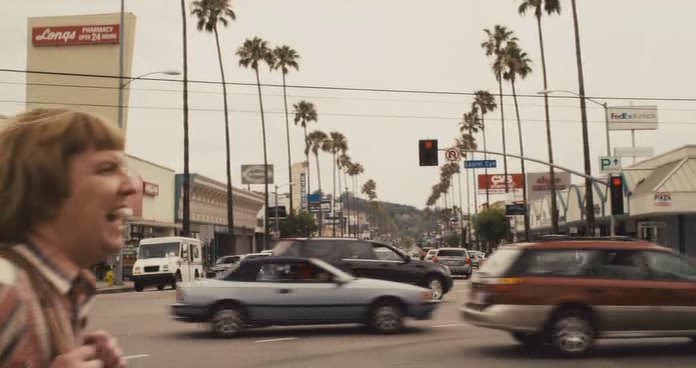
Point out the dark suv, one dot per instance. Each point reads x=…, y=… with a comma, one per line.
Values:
x=568, y=293
x=370, y=259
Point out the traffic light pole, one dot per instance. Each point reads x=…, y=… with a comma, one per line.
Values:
x=612, y=219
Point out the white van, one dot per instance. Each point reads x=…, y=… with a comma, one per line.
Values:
x=166, y=261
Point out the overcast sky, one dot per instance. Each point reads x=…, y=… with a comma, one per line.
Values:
x=631, y=49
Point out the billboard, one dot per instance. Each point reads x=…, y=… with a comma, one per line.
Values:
x=495, y=183
x=539, y=184
x=75, y=35
x=253, y=174
x=632, y=117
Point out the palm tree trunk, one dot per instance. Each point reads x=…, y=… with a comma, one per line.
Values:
x=502, y=125
x=485, y=157
x=321, y=196
x=342, y=209
x=476, y=184
x=589, y=197
x=230, y=196
x=307, y=161
x=552, y=174
x=333, y=198
x=186, y=216
x=357, y=217
x=524, y=174
x=265, y=162
x=287, y=134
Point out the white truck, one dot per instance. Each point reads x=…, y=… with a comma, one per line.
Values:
x=166, y=261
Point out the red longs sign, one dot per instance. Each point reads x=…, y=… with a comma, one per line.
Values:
x=75, y=35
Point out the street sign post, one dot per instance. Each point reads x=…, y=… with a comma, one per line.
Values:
x=609, y=165
x=453, y=155
x=480, y=164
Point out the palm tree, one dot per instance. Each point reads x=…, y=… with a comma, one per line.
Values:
x=316, y=141
x=186, y=195
x=464, y=143
x=468, y=126
x=252, y=52
x=550, y=6
x=516, y=63
x=354, y=170
x=210, y=13
x=485, y=103
x=286, y=58
x=589, y=196
x=305, y=113
x=495, y=46
x=336, y=144
x=369, y=189
x=343, y=163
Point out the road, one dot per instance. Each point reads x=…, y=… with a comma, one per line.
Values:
x=141, y=323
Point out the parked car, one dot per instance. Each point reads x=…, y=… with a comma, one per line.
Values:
x=298, y=291
x=477, y=258
x=457, y=260
x=223, y=264
x=370, y=259
x=568, y=293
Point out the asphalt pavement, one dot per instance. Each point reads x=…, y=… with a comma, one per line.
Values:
x=151, y=339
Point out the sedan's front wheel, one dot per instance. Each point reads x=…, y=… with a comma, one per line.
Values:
x=435, y=285
x=387, y=318
x=226, y=322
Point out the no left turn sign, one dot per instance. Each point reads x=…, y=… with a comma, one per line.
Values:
x=453, y=155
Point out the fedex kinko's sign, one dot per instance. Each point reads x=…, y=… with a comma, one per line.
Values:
x=495, y=183
x=75, y=35
x=632, y=117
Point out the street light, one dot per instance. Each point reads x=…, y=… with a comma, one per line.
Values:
x=122, y=85
x=606, y=130
x=277, y=229
x=603, y=104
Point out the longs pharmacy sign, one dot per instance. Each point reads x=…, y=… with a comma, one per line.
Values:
x=75, y=35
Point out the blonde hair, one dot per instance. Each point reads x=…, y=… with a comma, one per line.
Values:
x=35, y=152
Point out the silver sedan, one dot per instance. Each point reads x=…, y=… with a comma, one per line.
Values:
x=298, y=291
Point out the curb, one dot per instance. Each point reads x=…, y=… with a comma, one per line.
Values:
x=125, y=289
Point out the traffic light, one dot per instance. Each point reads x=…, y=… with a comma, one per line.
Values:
x=616, y=183
x=427, y=152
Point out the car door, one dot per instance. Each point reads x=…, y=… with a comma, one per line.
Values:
x=674, y=279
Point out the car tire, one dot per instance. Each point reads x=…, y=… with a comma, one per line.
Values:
x=138, y=286
x=226, y=322
x=571, y=333
x=386, y=318
x=436, y=286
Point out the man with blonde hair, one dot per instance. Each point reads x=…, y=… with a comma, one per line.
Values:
x=63, y=198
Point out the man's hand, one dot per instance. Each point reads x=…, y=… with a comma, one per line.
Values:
x=107, y=349
x=83, y=357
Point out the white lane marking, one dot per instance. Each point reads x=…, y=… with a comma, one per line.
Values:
x=274, y=340
x=449, y=325
x=135, y=356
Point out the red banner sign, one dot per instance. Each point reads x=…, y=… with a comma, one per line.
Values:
x=75, y=35
x=495, y=183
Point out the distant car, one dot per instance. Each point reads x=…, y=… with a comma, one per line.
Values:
x=370, y=259
x=250, y=256
x=430, y=254
x=567, y=294
x=298, y=291
x=223, y=264
x=477, y=258
x=457, y=260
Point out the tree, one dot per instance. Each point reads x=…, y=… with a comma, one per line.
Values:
x=315, y=142
x=336, y=144
x=589, y=196
x=301, y=224
x=516, y=63
x=305, y=112
x=490, y=225
x=467, y=127
x=494, y=46
x=484, y=103
x=354, y=170
x=343, y=163
x=209, y=14
x=369, y=189
x=252, y=52
x=286, y=58
x=550, y=6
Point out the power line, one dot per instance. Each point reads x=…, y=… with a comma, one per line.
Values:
x=354, y=89
x=348, y=115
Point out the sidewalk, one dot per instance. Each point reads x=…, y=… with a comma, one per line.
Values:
x=104, y=288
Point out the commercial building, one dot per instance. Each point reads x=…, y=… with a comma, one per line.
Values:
x=209, y=215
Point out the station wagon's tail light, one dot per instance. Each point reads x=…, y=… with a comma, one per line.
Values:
x=468, y=260
x=506, y=284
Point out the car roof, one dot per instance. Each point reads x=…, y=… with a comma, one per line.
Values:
x=589, y=244
x=451, y=248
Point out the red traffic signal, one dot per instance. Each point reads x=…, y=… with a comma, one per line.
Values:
x=427, y=152
x=616, y=195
